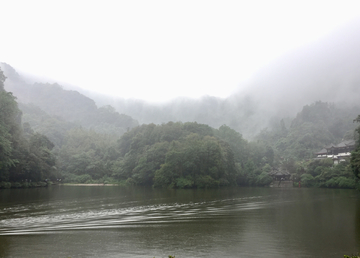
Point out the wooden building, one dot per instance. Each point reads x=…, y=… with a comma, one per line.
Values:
x=337, y=153
x=280, y=175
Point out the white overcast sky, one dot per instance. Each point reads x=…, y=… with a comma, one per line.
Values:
x=158, y=50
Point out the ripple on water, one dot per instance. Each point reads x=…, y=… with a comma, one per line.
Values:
x=41, y=219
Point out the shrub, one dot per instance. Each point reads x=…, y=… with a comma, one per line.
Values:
x=206, y=182
x=5, y=185
x=307, y=180
x=340, y=182
x=263, y=179
x=83, y=178
x=331, y=183
x=346, y=182
x=16, y=185
x=184, y=183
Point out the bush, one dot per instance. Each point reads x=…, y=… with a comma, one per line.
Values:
x=352, y=256
x=206, y=182
x=130, y=181
x=346, y=182
x=340, y=182
x=184, y=183
x=307, y=180
x=263, y=179
x=224, y=182
x=33, y=184
x=16, y=185
x=42, y=184
x=83, y=178
x=331, y=183
x=5, y=185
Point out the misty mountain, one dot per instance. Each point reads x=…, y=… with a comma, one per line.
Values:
x=45, y=104
x=327, y=70
x=314, y=127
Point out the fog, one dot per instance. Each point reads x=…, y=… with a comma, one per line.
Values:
x=160, y=50
x=326, y=70
x=242, y=76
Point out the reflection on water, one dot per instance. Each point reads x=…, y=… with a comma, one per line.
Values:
x=65, y=221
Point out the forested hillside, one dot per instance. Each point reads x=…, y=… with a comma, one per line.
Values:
x=169, y=155
x=62, y=135
x=25, y=156
x=316, y=126
x=51, y=119
x=43, y=101
x=326, y=70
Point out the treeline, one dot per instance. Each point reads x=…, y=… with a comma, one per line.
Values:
x=52, y=110
x=188, y=155
x=74, y=141
x=25, y=156
x=314, y=127
x=295, y=143
x=178, y=155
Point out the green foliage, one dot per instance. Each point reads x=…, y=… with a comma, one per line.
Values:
x=54, y=127
x=307, y=180
x=52, y=111
x=23, y=155
x=86, y=153
x=323, y=173
x=319, y=166
x=355, y=162
x=263, y=179
x=5, y=185
x=187, y=155
x=2, y=80
x=197, y=161
x=355, y=155
x=340, y=182
x=316, y=126
x=9, y=132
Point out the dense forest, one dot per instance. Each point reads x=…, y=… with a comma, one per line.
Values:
x=25, y=155
x=49, y=134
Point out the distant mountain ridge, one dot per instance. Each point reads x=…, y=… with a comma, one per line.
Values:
x=66, y=105
x=327, y=70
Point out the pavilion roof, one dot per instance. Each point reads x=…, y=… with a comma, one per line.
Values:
x=277, y=172
x=323, y=151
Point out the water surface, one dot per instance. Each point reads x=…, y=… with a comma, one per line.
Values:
x=110, y=221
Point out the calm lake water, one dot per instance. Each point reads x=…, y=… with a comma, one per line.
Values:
x=110, y=221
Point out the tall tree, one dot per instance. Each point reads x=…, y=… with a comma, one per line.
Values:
x=9, y=128
x=355, y=155
x=2, y=80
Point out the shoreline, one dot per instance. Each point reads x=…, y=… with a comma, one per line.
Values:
x=75, y=184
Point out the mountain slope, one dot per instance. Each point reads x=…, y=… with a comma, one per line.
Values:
x=327, y=70
x=67, y=105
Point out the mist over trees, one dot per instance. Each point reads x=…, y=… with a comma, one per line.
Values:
x=24, y=154
x=66, y=105
x=291, y=109
x=316, y=126
x=326, y=70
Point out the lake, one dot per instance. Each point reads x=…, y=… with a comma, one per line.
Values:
x=112, y=221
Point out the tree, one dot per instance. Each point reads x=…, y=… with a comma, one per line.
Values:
x=355, y=155
x=2, y=80
x=9, y=131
